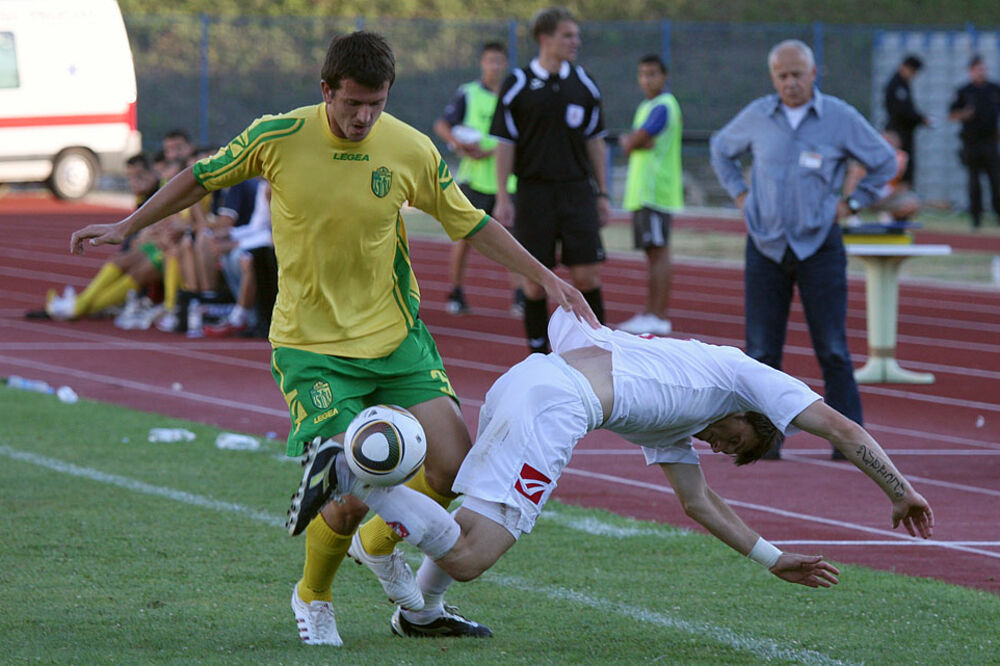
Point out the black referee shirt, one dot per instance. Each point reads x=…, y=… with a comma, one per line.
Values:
x=549, y=118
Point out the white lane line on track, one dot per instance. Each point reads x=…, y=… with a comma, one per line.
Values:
x=112, y=380
x=829, y=464
x=762, y=647
x=665, y=489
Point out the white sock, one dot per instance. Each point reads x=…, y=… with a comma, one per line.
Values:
x=421, y=521
x=433, y=582
x=238, y=315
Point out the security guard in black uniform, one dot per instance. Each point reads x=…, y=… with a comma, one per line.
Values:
x=904, y=118
x=977, y=106
x=551, y=131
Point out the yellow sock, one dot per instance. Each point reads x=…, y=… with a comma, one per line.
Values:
x=380, y=539
x=108, y=274
x=171, y=282
x=113, y=294
x=325, y=549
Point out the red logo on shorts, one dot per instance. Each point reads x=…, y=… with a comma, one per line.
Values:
x=532, y=483
x=399, y=528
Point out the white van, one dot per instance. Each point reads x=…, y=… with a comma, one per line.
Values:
x=67, y=93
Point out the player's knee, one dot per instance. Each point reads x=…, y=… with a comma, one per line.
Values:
x=344, y=517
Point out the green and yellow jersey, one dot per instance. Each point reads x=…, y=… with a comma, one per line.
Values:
x=345, y=284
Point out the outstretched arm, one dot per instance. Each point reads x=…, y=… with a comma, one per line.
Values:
x=181, y=192
x=908, y=506
x=702, y=504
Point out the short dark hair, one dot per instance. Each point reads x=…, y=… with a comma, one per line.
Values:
x=654, y=59
x=178, y=133
x=497, y=46
x=362, y=56
x=976, y=59
x=139, y=159
x=768, y=437
x=545, y=21
x=913, y=62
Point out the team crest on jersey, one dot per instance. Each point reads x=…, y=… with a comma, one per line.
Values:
x=321, y=395
x=574, y=115
x=381, y=181
x=532, y=483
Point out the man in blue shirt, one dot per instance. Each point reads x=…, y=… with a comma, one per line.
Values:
x=801, y=141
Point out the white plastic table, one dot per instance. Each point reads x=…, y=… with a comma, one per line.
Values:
x=882, y=264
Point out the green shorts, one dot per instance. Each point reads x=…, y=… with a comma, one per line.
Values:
x=324, y=393
x=154, y=254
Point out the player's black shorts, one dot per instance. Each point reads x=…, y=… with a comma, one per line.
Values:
x=551, y=217
x=650, y=228
x=478, y=199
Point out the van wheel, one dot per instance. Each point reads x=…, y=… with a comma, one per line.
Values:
x=74, y=173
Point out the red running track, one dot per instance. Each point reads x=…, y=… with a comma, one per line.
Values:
x=944, y=436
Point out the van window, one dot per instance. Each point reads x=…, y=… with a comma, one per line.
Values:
x=8, y=61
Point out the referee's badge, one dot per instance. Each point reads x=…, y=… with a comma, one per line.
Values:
x=381, y=181
x=574, y=115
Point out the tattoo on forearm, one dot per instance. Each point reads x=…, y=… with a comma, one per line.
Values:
x=881, y=468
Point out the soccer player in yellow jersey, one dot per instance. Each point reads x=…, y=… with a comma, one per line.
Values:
x=345, y=330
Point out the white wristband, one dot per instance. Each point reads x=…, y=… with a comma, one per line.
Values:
x=763, y=552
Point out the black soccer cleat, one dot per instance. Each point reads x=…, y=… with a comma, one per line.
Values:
x=449, y=624
x=319, y=484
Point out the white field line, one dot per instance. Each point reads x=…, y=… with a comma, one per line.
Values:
x=903, y=538
x=803, y=452
x=763, y=647
x=863, y=543
x=140, y=486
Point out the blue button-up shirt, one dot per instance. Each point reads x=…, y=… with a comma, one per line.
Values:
x=797, y=174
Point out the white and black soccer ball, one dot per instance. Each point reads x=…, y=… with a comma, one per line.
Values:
x=385, y=445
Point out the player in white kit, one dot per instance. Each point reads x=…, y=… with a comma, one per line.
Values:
x=654, y=392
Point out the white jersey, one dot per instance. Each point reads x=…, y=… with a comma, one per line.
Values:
x=666, y=390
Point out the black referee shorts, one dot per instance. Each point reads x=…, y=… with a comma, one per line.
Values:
x=478, y=199
x=558, y=219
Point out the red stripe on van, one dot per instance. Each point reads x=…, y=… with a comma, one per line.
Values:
x=127, y=117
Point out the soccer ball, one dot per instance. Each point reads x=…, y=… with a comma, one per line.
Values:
x=385, y=445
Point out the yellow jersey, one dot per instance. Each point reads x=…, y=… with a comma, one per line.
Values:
x=345, y=284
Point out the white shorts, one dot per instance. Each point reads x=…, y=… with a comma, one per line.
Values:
x=532, y=418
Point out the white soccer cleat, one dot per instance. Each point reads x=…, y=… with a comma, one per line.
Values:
x=646, y=323
x=393, y=572
x=317, y=625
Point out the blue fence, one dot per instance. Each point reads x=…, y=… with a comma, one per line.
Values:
x=213, y=75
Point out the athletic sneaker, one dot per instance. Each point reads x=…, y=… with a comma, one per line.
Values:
x=326, y=476
x=317, y=625
x=646, y=323
x=393, y=572
x=61, y=307
x=449, y=624
x=456, y=302
x=168, y=322
x=226, y=329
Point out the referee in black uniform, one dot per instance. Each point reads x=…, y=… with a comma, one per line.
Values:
x=551, y=131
